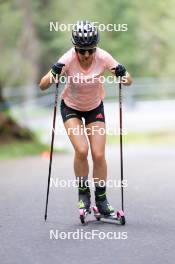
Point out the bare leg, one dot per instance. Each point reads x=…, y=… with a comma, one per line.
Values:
x=81, y=167
x=97, y=141
x=80, y=144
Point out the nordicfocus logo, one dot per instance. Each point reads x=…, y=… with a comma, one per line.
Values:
x=80, y=78
x=57, y=26
x=80, y=234
x=80, y=130
x=74, y=183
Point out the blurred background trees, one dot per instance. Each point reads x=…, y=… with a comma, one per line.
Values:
x=29, y=48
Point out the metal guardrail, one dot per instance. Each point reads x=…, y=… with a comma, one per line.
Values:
x=141, y=89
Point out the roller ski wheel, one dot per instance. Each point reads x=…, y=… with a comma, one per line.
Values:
x=96, y=213
x=83, y=215
x=117, y=217
x=99, y=216
x=121, y=217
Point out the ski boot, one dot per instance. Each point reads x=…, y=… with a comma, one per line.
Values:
x=104, y=207
x=84, y=204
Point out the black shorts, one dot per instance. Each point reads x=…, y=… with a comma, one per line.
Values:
x=91, y=116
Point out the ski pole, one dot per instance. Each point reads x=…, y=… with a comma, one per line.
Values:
x=51, y=149
x=121, y=143
x=56, y=70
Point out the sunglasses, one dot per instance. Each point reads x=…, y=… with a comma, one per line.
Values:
x=83, y=51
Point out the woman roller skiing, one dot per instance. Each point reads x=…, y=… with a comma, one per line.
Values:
x=83, y=99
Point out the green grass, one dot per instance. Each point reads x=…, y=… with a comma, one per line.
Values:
x=20, y=149
x=161, y=138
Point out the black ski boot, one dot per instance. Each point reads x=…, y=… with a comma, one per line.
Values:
x=102, y=203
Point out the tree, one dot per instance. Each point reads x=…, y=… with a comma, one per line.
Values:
x=11, y=62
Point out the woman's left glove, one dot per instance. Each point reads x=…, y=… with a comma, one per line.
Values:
x=120, y=70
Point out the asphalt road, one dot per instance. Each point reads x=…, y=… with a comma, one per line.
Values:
x=149, y=208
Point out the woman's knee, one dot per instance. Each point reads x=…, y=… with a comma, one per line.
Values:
x=98, y=156
x=81, y=152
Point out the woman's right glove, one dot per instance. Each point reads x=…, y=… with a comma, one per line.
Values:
x=57, y=68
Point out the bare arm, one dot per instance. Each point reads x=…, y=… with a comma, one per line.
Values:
x=46, y=81
x=51, y=76
x=126, y=80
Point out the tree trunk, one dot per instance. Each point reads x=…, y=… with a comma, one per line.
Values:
x=29, y=49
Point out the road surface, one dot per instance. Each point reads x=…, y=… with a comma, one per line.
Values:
x=148, y=236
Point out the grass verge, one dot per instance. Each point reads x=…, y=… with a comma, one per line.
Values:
x=161, y=138
x=18, y=149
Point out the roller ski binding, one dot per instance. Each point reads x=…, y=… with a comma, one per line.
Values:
x=117, y=217
x=103, y=210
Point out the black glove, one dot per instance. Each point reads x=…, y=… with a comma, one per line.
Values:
x=57, y=68
x=120, y=70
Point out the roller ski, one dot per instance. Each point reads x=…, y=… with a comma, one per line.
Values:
x=116, y=217
x=84, y=205
x=103, y=210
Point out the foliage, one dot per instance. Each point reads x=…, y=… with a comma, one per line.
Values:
x=147, y=48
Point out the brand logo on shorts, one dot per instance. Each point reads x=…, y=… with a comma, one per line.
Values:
x=71, y=115
x=99, y=116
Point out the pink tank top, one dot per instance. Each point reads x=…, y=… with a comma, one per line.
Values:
x=83, y=90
